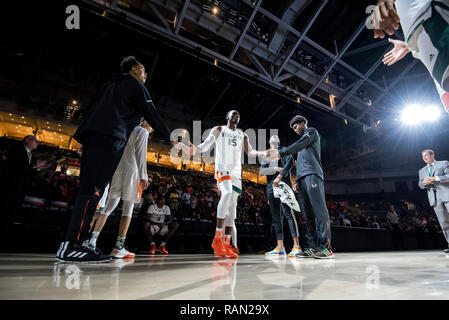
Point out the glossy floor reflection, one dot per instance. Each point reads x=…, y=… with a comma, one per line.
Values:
x=371, y=275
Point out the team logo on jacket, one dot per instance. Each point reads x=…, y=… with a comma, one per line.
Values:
x=314, y=185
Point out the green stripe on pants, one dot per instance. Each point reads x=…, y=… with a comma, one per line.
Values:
x=238, y=190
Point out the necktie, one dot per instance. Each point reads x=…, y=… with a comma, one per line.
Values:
x=431, y=174
x=29, y=157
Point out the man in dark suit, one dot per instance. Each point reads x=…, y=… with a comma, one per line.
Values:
x=113, y=114
x=310, y=187
x=18, y=174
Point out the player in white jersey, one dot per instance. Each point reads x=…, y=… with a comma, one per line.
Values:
x=425, y=24
x=229, y=142
x=129, y=179
x=158, y=220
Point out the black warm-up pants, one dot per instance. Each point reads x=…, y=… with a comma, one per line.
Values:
x=278, y=210
x=311, y=199
x=101, y=156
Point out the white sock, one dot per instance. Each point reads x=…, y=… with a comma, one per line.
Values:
x=163, y=244
x=93, y=238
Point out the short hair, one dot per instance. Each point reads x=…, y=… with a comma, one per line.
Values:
x=230, y=111
x=28, y=137
x=276, y=138
x=297, y=119
x=127, y=63
x=429, y=151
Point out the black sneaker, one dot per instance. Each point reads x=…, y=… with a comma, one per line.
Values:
x=306, y=253
x=446, y=251
x=69, y=252
x=324, y=253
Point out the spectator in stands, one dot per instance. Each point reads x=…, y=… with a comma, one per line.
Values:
x=158, y=220
x=174, y=200
x=393, y=220
x=374, y=223
x=18, y=174
x=193, y=204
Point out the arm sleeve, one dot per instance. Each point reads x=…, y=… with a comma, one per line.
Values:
x=146, y=107
x=141, y=153
x=208, y=143
x=288, y=166
x=444, y=179
x=308, y=138
x=420, y=182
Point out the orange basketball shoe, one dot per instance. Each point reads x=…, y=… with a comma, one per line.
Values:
x=219, y=248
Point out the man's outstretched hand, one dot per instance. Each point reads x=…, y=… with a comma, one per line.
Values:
x=272, y=154
x=399, y=51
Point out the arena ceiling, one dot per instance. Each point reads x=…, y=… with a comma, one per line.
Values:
x=271, y=59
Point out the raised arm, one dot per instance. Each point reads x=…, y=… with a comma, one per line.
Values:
x=146, y=107
x=208, y=143
x=309, y=137
x=249, y=149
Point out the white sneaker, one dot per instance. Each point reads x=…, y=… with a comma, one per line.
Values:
x=294, y=252
x=122, y=253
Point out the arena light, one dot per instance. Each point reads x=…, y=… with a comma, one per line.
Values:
x=432, y=113
x=415, y=114
x=215, y=10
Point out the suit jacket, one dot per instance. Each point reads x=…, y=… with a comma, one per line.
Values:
x=18, y=173
x=441, y=170
x=308, y=148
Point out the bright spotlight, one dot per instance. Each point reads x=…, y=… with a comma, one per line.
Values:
x=411, y=115
x=414, y=114
x=215, y=10
x=432, y=113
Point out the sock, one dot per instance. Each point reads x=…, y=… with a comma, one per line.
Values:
x=120, y=244
x=163, y=244
x=152, y=243
x=218, y=233
x=227, y=240
x=93, y=239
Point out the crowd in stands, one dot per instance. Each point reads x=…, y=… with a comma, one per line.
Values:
x=413, y=216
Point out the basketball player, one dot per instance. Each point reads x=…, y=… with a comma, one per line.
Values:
x=229, y=142
x=425, y=24
x=158, y=220
x=127, y=183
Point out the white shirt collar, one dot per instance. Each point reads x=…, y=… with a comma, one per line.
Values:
x=433, y=163
x=28, y=150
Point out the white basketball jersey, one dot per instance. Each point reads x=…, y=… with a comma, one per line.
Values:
x=158, y=214
x=228, y=151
